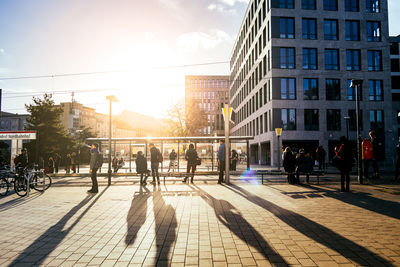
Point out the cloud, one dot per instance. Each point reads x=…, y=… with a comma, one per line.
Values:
x=2, y=50
x=194, y=41
x=233, y=2
x=226, y=6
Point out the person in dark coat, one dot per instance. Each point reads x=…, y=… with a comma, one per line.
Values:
x=156, y=159
x=375, y=148
x=22, y=159
x=57, y=159
x=191, y=157
x=397, y=170
x=141, y=167
x=172, y=161
x=50, y=165
x=68, y=163
x=304, y=164
x=289, y=164
x=73, y=162
x=320, y=154
x=94, y=154
x=234, y=160
x=221, y=160
x=345, y=154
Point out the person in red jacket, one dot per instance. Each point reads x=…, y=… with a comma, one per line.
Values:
x=368, y=154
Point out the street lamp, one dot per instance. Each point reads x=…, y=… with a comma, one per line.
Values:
x=356, y=84
x=278, y=132
x=347, y=119
x=79, y=146
x=112, y=99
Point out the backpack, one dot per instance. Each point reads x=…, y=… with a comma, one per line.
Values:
x=99, y=160
x=159, y=156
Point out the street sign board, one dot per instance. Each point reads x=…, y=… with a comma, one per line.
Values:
x=19, y=135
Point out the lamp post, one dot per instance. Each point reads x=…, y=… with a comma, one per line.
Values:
x=79, y=147
x=278, y=132
x=227, y=112
x=356, y=84
x=347, y=119
x=112, y=99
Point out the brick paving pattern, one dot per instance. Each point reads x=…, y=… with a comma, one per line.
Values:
x=204, y=224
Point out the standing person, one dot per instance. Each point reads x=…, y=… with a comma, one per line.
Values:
x=156, y=159
x=68, y=163
x=375, y=149
x=94, y=166
x=369, y=153
x=57, y=159
x=121, y=163
x=22, y=159
x=50, y=165
x=345, y=155
x=289, y=164
x=172, y=160
x=397, y=171
x=114, y=164
x=191, y=157
x=73, y=162
x=234, y=160
x=141, y=167
x=304, y=164
x=321, y=154
x=221, y=160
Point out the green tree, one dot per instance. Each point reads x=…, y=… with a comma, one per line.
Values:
x=45, y=118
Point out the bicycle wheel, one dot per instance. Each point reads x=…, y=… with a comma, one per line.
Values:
x=39, y=179
x=20, y=186
x=4, y=186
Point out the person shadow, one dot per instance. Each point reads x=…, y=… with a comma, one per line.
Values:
x=315, y=231
x=53, y=236
x=232, y=218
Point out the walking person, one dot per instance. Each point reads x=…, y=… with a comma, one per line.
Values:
x=50, y=165
x=114, y=164
x=221, y=160
x=172, y=161
x=191, y=157
x=73, y=162
x=289, y=164
x=397, y=170
x=156, y=159
x=57, y=159
x=234, y=160
x=68, y=163
x=345, y=164
x=321, y=155
x=95, y=159
x=141, y=167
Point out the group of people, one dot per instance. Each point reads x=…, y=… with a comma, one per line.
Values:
x=296, y=165
x=117, y=163
x=54, y=162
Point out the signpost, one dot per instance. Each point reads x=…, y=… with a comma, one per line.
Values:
x=278, y=132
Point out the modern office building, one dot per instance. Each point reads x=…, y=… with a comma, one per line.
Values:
x=291, y=68
x=208, y=94
x=395, y=72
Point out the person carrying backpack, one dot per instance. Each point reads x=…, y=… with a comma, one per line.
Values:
x=156, y=158
x=96, y=161
x=141, y=167
x=191, y=157
x=289, y=164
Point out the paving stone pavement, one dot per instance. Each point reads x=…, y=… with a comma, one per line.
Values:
x=204, y=224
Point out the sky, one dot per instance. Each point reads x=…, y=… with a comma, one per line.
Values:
x=151, y=45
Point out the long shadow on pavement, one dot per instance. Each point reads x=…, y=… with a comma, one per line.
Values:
x=229, y=216
x=315, y=231
x=359, y=199
x=53, y=236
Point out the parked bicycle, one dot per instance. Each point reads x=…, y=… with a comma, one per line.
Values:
x=35, y=178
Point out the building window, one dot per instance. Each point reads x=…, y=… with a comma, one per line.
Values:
x=376, y=119
x=375, y=90
x=353, y=59
x=308, y=4
x=287, y=57
x=330, y=5
x=332, y=89
x=373, y=31
x=311, y=120
x=351, y=92
x=333, y=119
x=309, y=58
x=288, y=117
x=331, y=29
x=288, y=88
x=373, y=6
x=352, y=30
x=353, y=120
x=309, y=29
x=286, y=28
x=374, y=60
x=310, y=87
x=331, y=59
x=286, y=4
x=351, y=5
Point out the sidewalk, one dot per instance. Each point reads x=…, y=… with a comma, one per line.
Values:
x=205, y=224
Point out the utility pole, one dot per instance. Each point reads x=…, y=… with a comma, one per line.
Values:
x=356, y=84
x=227, y=144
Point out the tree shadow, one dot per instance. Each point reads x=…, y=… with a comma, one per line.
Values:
x=137, y=214
x=363, y=200
x=229, y=216
x=315, y=231
x=53, y=236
